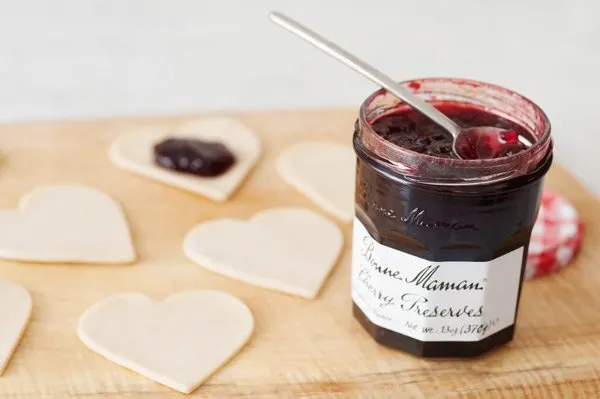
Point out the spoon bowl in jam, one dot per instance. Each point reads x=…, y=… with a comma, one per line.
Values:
x=481, y=142
x=486, y=142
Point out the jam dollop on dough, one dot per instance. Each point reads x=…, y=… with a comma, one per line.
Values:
x=194, y=156
x=411, y=130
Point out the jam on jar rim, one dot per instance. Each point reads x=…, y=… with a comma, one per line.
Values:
x=431, y=170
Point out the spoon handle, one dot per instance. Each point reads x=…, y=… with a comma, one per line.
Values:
x=366, y=70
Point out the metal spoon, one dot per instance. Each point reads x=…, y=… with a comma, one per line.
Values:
x=467, y=143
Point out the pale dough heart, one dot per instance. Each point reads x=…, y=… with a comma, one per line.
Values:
x=285, y=249
x=134, y=152
x=324, y=172
x=15, y=310
x=66, y=224
x=178, y=342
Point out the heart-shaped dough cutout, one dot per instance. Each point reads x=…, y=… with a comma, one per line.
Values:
x=178, y=342
x=15, y=310
x=324, y=172
x=134, y=152
x=285, y=249
x=66, y=224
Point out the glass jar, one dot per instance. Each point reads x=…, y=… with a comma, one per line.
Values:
x=439, y=244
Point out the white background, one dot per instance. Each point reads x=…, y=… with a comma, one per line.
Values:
x=98, y=58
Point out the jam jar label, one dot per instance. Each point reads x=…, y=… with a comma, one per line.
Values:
x=433, y=301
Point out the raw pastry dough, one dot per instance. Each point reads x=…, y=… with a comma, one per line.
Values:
x=66, y=224
x=15, y=310
x=286, y=249
x=324, y=172
x=178, y=342
x=134, y=152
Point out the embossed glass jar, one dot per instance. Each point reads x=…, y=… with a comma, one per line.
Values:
x=439, y=244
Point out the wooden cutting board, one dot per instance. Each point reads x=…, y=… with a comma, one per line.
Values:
x=300, y=348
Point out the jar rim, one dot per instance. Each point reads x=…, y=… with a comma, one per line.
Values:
x=492, y=170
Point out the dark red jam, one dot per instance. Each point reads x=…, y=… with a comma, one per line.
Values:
x=411, y=130
x=193, y=156
x=436, y=226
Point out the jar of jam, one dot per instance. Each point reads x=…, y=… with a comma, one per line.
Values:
x=439, y=242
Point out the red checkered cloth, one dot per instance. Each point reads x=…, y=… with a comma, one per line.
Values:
x=556, y=236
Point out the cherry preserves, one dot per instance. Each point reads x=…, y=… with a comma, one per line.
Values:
x=439, y=243
x=193, y=156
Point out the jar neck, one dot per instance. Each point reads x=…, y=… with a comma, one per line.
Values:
x=432, y=170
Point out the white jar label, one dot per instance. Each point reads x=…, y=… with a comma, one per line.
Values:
x=433, y=301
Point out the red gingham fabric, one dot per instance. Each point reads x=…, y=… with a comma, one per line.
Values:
x=556, y=236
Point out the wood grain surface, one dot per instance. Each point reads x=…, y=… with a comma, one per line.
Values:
x=301, y=348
